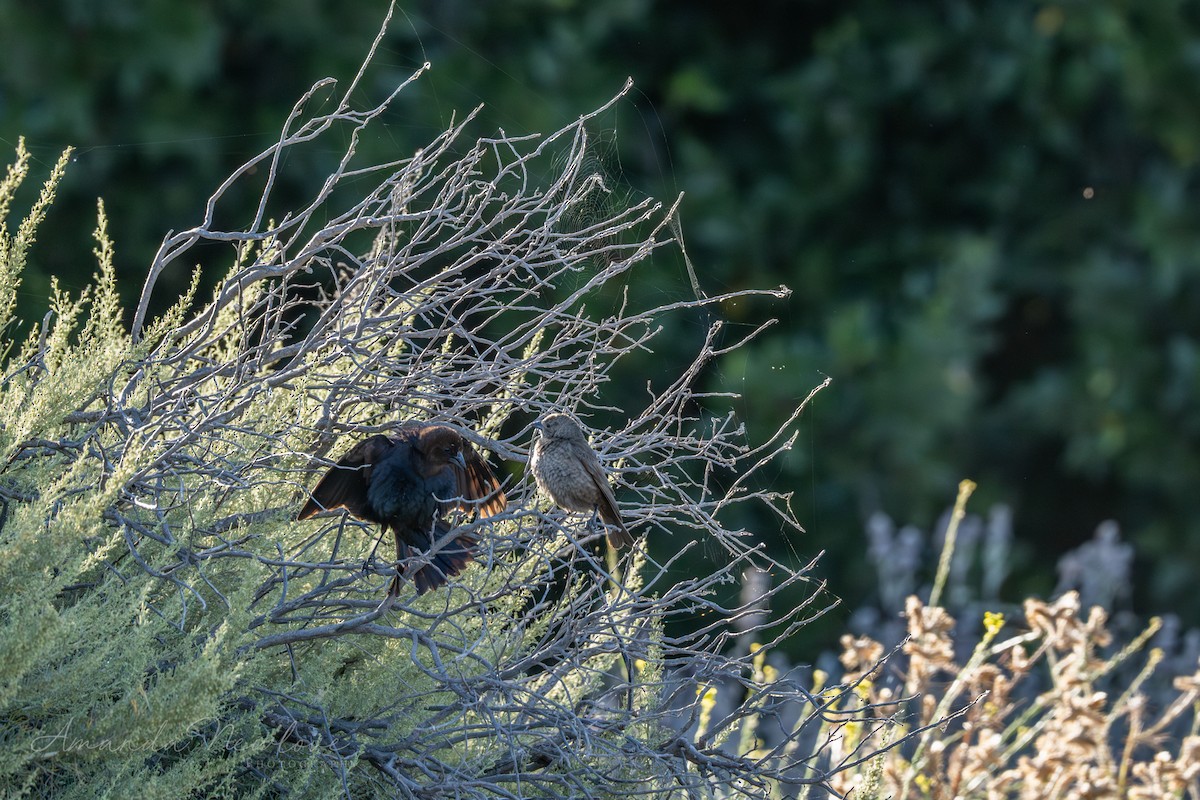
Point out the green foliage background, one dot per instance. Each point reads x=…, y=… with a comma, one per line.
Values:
x=915, y=172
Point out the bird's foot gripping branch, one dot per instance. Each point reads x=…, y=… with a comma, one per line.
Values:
x=167, y=619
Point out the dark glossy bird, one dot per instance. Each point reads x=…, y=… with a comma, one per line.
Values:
x=409, y=482
x=567, y=469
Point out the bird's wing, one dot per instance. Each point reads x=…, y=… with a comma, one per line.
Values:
x=608, y=502
x=478, y=482
x=345, y=485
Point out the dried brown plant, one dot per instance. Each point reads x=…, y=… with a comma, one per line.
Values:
x=1068, y=738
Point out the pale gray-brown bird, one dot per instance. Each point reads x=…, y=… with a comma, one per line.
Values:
x=567, y=469
x=409, y=482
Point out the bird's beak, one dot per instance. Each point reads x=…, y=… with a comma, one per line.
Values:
x=458, y=459
x=538, y=426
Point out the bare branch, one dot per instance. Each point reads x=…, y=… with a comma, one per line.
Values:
x=481, y=284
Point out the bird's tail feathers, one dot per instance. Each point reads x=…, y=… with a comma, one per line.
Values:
x=618, y=534
x=449, y=559
x=619, y=537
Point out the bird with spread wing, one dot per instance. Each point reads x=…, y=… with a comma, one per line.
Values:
x=409, y=482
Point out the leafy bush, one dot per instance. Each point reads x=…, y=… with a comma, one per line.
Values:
x=169, y=630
